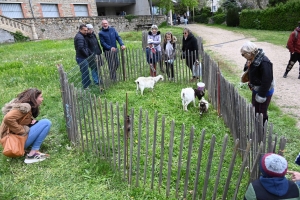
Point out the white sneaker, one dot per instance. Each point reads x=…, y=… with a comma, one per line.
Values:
x=34, y=158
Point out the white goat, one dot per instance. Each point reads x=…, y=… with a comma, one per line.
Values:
x=188, y=95
x=203, y=106
x=147, y=82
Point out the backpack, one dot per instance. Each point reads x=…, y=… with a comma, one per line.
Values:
x=296, y=37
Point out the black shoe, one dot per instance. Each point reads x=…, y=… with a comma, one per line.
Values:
x=285, y=74
x=299, y=76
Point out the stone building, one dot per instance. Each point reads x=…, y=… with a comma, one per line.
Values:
x=72, y=8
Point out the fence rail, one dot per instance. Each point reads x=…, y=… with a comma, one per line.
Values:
x=185, y=166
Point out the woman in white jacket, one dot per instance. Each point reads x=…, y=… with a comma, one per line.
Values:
x=154, y=34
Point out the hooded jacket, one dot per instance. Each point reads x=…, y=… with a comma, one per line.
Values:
x=14, y=114
x=108, y=38
x=293, y=43
x=272, y=189
x=156, y=39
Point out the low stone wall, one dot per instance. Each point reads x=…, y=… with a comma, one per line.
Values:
x=67, y=27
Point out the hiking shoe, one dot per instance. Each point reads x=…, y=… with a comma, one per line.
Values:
x=34, y=158
x=285, y=74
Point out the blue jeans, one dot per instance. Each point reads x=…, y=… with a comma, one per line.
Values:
x=37, y=134
x=93, y=66
x=85, y=74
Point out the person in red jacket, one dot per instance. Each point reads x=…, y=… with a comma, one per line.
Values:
x=293, y=45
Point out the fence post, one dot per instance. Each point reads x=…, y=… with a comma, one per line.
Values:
x=123, y=65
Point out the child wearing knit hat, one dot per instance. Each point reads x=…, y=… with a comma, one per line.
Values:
x=272, y=184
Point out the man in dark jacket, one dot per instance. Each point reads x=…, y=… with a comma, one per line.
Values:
x=293, y=45
x=94, y=47
x=272, y=184
x=108, y=38
x=82, y=53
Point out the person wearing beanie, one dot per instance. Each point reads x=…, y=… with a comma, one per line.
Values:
x=94, y=47
x=293, y=46
x=272, y=184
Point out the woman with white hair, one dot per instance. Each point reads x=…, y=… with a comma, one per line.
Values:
x=155, y=36
x=260, y=75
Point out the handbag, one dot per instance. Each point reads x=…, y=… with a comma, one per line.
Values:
x=245, y=76
x=13, y=144
x=197, y=69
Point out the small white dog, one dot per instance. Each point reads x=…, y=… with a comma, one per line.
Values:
x=147, y=82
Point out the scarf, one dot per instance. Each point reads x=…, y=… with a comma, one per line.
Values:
x=258, y=58
x=169, y=49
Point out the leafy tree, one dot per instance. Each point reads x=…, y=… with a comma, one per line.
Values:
x=190, y=3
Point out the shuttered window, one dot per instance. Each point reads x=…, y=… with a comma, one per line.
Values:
x=81, y=10
x=11, y=10
x=50, y=10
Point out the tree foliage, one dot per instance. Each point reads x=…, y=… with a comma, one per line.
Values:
x=274, y=2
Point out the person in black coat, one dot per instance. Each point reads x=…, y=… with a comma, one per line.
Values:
x=190, y=50
x=82, y=53
x=94, y=47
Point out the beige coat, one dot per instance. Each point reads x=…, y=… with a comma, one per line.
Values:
x=16, y=117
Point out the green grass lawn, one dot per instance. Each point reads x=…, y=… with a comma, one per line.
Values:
x=70, y=174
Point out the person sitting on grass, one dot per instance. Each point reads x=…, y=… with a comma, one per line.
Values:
x=23, y=110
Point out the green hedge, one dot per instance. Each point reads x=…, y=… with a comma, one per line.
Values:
x=283, y=17
x=219, y=18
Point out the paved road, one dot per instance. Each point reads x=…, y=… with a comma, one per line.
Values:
x=227, y=44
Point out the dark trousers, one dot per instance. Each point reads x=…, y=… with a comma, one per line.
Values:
x=261, y=107
x=84, y=69
x=170, y=67
x=113, y=63
x=293, y=59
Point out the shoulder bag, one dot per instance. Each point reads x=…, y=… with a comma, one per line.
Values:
x=13, y=144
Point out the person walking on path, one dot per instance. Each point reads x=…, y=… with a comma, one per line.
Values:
x=82, y=53
x=108, y=38
x=293, y=45
x=94, y=47
x=260, y=75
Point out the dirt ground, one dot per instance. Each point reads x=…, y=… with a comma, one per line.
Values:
x=228, y=44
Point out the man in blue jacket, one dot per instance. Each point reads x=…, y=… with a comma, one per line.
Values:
x=82, y=53
x=108, y=38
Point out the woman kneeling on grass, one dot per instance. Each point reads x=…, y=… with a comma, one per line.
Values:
x=24, y=109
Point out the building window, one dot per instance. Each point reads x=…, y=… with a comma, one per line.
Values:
x=50, y=10
x=81, y=10
x=11, y=10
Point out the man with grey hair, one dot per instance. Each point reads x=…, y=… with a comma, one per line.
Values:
x=108, y=38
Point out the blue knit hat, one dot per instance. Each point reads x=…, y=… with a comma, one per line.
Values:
x=273, y=165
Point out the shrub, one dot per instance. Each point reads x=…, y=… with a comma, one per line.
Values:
x=19, y=37
x=232, y=18
x=130, y=17
x=283, y=17
x=219, y=18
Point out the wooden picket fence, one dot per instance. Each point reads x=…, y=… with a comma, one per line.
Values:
x=179, y=162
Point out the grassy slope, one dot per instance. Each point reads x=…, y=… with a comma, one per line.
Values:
x=70, y=174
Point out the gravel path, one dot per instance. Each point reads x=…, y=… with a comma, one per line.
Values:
x=227, y=44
